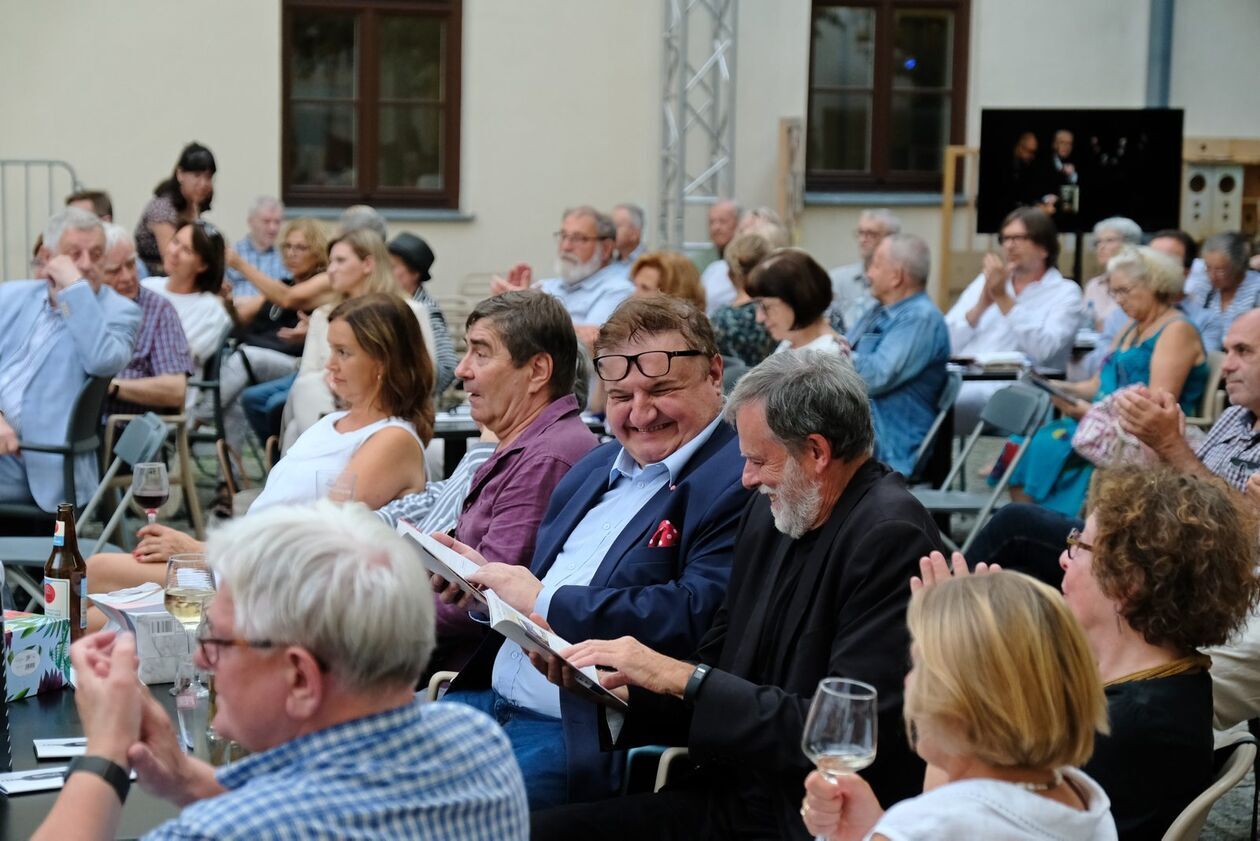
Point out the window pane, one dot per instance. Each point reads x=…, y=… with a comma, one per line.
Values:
x=411, y=57
x=844, y=47
x=321, y=64
x=923, y=49
x=322, y=152
x=839, y=131
x=410, y=150
x=920, y=131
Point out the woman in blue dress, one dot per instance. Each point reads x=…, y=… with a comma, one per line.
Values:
x=1159, y=347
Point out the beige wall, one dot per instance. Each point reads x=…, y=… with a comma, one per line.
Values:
x=1214, y=67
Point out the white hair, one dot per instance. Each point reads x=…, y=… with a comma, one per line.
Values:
x=334, y=580
x=1122, y=226
x=115, y=234
x=887, y=220
x=261, y=203
x=74, y=218
x=911, y=253
x=358, y=216
x=637, y=217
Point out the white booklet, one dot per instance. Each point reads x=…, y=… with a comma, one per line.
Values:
x=443, y=560
x=60, y=748
x=47, y=778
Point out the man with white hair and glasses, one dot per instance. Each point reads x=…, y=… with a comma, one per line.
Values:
x=319, y=630
x=850, y=283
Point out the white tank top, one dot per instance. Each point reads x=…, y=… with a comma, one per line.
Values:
x=321, y=448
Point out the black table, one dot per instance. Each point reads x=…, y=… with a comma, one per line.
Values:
x=976, y=373
x=54, y=715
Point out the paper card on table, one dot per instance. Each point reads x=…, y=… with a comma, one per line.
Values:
x=442, y=560
x=60, y=748
x=35, y=779
x=531, y=636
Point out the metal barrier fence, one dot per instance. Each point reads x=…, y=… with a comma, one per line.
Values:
x=30, y=191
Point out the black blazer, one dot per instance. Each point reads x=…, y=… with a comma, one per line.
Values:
x=847, y=619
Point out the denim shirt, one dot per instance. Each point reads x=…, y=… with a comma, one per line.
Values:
x=900, y=352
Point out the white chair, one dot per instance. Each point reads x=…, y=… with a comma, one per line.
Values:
x=438, y=684
x=1236, y=759
x=1213, y=402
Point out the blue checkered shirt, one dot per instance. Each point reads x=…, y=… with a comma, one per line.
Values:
x=419, y=771
x=268, y=262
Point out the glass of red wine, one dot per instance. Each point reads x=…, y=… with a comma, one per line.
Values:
x=150, y=487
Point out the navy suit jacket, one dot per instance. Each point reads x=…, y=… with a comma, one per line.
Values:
x=665, y=597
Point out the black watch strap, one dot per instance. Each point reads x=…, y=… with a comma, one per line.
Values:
x=108, y=770
x=693, y=683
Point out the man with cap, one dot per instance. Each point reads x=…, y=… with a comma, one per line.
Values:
x=410, y=259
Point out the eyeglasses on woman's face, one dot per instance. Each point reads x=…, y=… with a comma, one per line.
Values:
x=1074, y=542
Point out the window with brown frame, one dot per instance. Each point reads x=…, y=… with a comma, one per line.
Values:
x=887, y=85
x=371, y=103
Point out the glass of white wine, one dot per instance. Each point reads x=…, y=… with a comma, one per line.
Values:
x=189, y=585
x=840, y=730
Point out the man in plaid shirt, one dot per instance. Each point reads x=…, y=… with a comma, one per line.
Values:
x=319, y=631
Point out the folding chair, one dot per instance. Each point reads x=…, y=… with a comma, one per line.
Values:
x=140, y=442
x=1233, y=761
x=944, y=405
x=1015, y=410
x=1213, y=402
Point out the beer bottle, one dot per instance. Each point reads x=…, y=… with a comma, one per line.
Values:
x=65, y=575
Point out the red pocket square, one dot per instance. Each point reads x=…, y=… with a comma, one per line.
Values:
x=665, y=535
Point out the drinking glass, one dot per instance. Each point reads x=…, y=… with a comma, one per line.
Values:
x=192, y=709
x=189, y=585
x=839, y=734
x=150, y=487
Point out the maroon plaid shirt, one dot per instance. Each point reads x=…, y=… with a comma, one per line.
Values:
x=161, y=348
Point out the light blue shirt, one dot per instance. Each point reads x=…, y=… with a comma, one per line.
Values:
x=268, y=262
x=629, y=489
x=592, y=300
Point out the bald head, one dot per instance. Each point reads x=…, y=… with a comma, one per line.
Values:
x=723, y=219
x=1242, y=361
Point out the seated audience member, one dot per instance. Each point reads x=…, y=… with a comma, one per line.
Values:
x=628, y=219
x=791, y=293
x=850, y=284
x=157, y=375
x=264, y=404
x=518, y=374
x=56, y=332
x=93, y=201
x=319, y=688
x=194, y=278
x=818, y=588
x=358, y=264
x=410, y=259
x=1003, y=700
x=900, y=349
x=301, y=283
x=735, y=326
x=1176, y=244
x=375, y=447
x=1019, y=303
x=669, y=273
x=636, y=540
x=1226, y=290
x=178, y=200
x=718, y=289
x=1110, y=236
x=258, y=247
x=1159, y=347
x=357, y=217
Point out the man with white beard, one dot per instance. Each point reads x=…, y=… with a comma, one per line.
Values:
x=589, y=283
x=819, y=588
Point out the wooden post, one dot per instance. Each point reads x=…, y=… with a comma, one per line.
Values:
x=940, y=287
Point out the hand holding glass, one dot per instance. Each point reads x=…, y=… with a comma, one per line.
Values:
x=840, y=729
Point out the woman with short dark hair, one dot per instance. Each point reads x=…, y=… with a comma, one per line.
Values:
x=792, y=293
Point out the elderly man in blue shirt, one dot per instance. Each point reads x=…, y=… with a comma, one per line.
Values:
x=258, y=248
x=900, y=349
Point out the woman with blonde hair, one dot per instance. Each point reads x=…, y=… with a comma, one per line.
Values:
x=735, y=325
x=358, y=264
x=669, y=273
x=1003, y=699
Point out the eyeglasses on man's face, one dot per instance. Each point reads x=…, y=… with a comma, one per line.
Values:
x=1003, y=239
x=614, y=367
x=564, y=238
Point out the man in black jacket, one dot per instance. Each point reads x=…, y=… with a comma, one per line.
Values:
x=819, y=588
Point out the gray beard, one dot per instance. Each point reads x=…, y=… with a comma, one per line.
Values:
x=572, y=273
x=797, y=502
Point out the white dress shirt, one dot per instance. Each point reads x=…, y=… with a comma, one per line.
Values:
x=1041, y=325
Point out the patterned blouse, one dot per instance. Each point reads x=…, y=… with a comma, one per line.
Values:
x=738, y=334
x=158, y=211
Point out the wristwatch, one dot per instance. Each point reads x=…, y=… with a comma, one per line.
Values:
x=108, y=770
x=693, y=683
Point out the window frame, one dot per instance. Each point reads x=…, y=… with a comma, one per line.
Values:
x=879, y=177
x=367, y=107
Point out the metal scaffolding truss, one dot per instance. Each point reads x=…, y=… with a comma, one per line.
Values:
x=698, y=130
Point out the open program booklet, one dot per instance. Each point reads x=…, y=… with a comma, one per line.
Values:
x=505, y=619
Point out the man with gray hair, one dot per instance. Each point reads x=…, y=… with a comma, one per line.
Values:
x=851, y=284
x=317, y=635
x=358, y=216
x=628, y=220
x=57, y=332
x=818, y=589
x=716, y=276
x=900, y=349
x=1221, y=286
x=258, y=247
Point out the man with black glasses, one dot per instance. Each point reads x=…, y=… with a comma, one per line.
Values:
x=637, y=540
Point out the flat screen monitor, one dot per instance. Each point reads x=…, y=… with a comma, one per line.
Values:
x=1082, y=165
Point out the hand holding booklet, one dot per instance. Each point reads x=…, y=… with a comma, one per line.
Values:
x=446, y=562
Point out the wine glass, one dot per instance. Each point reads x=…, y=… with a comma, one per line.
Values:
x=150, y=487
x=189, y=585
x=840, y=729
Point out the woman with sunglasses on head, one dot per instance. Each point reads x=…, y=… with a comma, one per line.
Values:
x=176, y=201
x=194, y=277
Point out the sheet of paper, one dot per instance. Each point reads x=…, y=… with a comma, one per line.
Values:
x=442, y=560
x=35, y=779
x=60, y=748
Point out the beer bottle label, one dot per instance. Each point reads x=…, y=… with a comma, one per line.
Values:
x=57, y=598
x=59, y=534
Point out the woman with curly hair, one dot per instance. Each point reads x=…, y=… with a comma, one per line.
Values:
x=1165, y=566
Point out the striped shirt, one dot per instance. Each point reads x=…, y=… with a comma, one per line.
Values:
x=1203, y=305
x=268, y=262
x=1231, y=449
x=161, y=348
x=418, y=771
x=437, y=507
x=442, y=344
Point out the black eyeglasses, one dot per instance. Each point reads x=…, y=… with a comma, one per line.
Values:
x=1003, y=239
x=210, y=646
x=1074, y=542
x=613, y=367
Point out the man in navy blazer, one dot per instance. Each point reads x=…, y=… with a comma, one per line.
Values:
x=637, y=540
x=55, y=333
